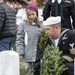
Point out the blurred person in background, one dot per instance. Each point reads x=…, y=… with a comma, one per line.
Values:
x=63, y=8
x=19, y=4
x=32, y=1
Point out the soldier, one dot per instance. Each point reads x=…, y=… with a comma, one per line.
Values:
x=62, y=38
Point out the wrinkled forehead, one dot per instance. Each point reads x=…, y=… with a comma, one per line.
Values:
x=48, y=27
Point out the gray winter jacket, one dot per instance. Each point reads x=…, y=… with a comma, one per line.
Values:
x=27, y=41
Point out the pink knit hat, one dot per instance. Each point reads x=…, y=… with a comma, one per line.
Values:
x=32, y=6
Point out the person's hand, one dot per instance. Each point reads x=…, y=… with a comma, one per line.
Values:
x=20, y=57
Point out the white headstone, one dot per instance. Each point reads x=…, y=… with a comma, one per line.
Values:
x=9, y=63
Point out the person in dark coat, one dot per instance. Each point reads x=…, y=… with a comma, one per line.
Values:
x=63, y=8
x=62, y=38
x=7, y=25
x=8, y=11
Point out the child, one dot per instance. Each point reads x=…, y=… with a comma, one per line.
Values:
x=28, y=39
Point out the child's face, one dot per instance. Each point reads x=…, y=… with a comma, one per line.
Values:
x=31, y=14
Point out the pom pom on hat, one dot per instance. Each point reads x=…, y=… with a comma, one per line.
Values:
x=52, y=21
x=32, y=6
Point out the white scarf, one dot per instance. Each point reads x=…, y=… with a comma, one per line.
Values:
x=59, y=1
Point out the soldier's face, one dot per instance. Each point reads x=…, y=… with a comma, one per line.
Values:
x=51, y=32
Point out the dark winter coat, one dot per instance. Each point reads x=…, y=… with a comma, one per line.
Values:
x=66, y=9
x=7, y=21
